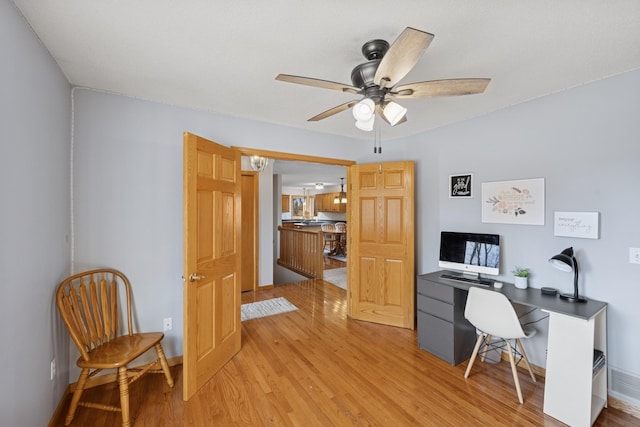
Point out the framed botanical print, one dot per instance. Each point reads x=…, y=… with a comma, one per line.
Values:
x=513, y=202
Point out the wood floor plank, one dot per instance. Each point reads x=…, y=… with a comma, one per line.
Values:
x=316, y=367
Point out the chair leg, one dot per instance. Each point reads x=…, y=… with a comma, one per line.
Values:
x=526, y=359
x=165, y=365
x=82, y=380
x=514, y=371
x=123, y=383
x=473, y=355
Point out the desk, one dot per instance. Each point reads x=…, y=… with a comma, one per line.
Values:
x=572, y=394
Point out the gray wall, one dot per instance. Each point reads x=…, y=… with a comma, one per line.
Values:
x=582, y=141
x=127, y=199
x=128, y=192
x=585, y=143
x=34, y=222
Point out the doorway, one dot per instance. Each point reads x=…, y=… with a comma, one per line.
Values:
x=267, y=229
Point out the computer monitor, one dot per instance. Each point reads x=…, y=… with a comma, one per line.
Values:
x=470, y=253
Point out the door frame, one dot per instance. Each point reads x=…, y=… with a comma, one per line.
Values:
x=255, y=243
x=279, y=155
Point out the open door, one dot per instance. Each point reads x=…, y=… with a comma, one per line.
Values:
x=380, y=263
x=211, y=267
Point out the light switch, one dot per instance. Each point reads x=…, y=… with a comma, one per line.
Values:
x=634, y=255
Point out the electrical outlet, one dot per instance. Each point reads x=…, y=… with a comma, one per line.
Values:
x=634, y=255
x=53, y=369
x=167, y=324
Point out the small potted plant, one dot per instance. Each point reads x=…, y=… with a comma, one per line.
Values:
x=520, y=276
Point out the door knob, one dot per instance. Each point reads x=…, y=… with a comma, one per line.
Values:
x=195, y=276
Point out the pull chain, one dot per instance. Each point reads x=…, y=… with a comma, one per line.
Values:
x=377, y=140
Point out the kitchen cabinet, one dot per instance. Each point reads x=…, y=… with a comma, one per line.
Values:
x=324, y=203
x=285, y=203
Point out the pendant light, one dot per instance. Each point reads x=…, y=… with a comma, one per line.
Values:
x=342, y=196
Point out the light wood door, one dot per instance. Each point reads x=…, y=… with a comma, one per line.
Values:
x=250, y=233
x=211, y=267
x=380, y=261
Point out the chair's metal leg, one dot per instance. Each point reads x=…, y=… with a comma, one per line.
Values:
x=82, y=380
x=514, y=371
x=526, y=359
x=473, y=355
x=123, y=383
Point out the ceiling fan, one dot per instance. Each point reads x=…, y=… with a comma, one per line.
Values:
x=377, y=81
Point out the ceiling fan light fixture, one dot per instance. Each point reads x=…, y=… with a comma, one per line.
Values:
x=394, y=112
x=366, y=125
x=364, y=110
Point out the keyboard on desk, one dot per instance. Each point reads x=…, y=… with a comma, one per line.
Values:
x=482, y=282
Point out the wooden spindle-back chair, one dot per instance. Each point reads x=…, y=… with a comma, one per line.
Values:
x=328, y=232
x=341, y=245
x=89, y=305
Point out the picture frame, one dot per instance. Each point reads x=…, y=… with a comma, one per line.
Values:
x=583, y=225
x=513, y=202
x=297, y=206
x=461, y=186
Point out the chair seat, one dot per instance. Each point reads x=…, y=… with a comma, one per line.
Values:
x=120, y=351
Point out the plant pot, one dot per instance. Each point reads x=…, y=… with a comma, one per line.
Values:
x=521, y=282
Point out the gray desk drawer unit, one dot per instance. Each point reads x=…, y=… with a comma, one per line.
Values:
x=442, y=328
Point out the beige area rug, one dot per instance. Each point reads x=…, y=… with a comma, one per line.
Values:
x=336, y=276
x=269, y=307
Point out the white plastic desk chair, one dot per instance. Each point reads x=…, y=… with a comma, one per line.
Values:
x=493, y=315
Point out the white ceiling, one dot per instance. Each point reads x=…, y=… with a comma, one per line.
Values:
x=223, y=56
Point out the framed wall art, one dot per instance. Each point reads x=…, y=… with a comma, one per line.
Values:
x=460, y=185
x=297, y=206
x=585, y=225
x=513, y=202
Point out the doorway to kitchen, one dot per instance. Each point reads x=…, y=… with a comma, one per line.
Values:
x=305, y=216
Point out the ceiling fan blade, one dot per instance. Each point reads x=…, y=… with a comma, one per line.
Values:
x=335, y=110
x=448, y=87
x=381, y=115
x=401, y=57
x=325, y=84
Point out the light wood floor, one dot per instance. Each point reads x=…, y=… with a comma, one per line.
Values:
x=331, y=263
x=316, y=367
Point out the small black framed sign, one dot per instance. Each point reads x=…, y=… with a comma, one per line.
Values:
x=460, y=185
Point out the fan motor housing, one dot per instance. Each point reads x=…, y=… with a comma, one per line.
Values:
x=363, y=74
x=375, y=49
